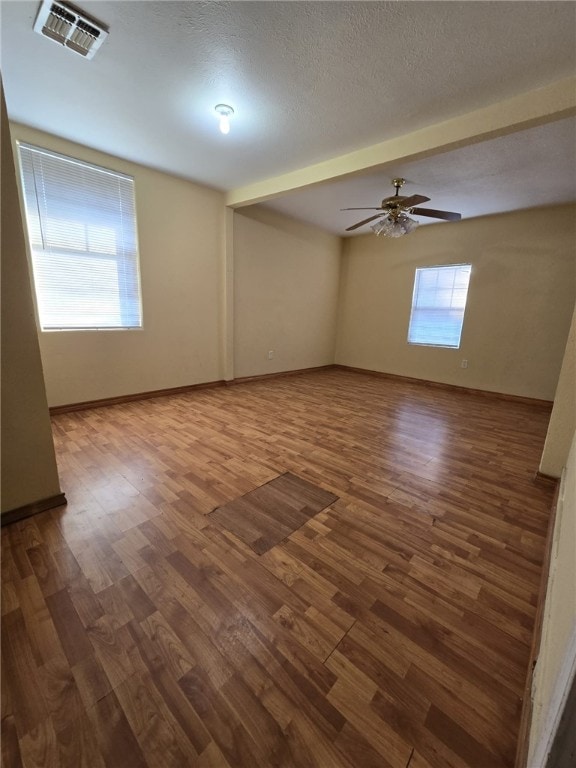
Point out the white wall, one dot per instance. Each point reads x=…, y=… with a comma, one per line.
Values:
x=520, y=301
x=179, y=231
x=286, y=277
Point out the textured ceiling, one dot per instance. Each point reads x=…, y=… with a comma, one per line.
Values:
x=308, y=81
x=530, y=168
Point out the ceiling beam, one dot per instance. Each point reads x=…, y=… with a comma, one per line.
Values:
x=536, y=107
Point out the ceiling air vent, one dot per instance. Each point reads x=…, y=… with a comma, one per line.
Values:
x=74, y=29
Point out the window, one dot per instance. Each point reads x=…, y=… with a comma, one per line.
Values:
x=438, y=305
x=82, y=231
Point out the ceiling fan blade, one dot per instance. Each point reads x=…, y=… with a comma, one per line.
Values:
x=448, y=215
x=409, y=202
x=377, y=208
x=364, y=221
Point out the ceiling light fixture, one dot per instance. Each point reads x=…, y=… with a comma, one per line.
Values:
x=395, y=224
x=393, y=220
x=224, y=112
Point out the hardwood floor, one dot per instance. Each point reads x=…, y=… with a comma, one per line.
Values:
x=266, y=516
x=392, y=630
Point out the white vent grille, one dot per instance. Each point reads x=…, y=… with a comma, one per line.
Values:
x=71, y=28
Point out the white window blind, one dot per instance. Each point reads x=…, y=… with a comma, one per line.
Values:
x=82, y=230
x=438, y=305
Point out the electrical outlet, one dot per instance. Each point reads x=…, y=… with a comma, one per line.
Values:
x=464, y=364
x=270, y=354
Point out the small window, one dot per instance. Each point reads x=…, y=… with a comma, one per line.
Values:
x=82, y=232
x=438, y=305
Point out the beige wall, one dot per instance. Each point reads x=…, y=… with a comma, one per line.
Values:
x=285, y=293
x=520, y=301
x=558, y=645
x=216, y=303
x=180, y=240
x=29, y=471
x=558, y=641
x=563, y=419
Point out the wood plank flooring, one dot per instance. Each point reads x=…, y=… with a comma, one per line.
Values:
x=267, y=515
x=392, y=630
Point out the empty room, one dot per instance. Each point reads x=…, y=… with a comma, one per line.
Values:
x=288, y=384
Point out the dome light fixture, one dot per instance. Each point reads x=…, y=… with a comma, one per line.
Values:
x=396, y=224
x=224, y=112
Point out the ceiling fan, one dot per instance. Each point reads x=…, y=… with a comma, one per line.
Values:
x=393, y=213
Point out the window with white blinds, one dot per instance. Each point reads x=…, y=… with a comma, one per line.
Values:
x=438, y=305
x=82, y=231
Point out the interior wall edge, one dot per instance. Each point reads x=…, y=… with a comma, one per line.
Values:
x=527, y=703
x=562, y=424
x=29, y=469
x=556, y=657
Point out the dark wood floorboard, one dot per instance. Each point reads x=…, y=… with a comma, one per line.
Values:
x=267, y=515
x=390, y=630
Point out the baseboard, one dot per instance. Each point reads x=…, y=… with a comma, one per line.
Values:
x=543, y=479
x=13, y=515
x=88, y=404
x=119, y=400
x=526, y=713
x=279, y=374
x=451, y=387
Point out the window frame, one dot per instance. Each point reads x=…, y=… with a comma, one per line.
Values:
x=130, y=303
x=414, y=308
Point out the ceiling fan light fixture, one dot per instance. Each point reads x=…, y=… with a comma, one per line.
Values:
x=393, y=221
x=224, y=112
x=394, y=226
